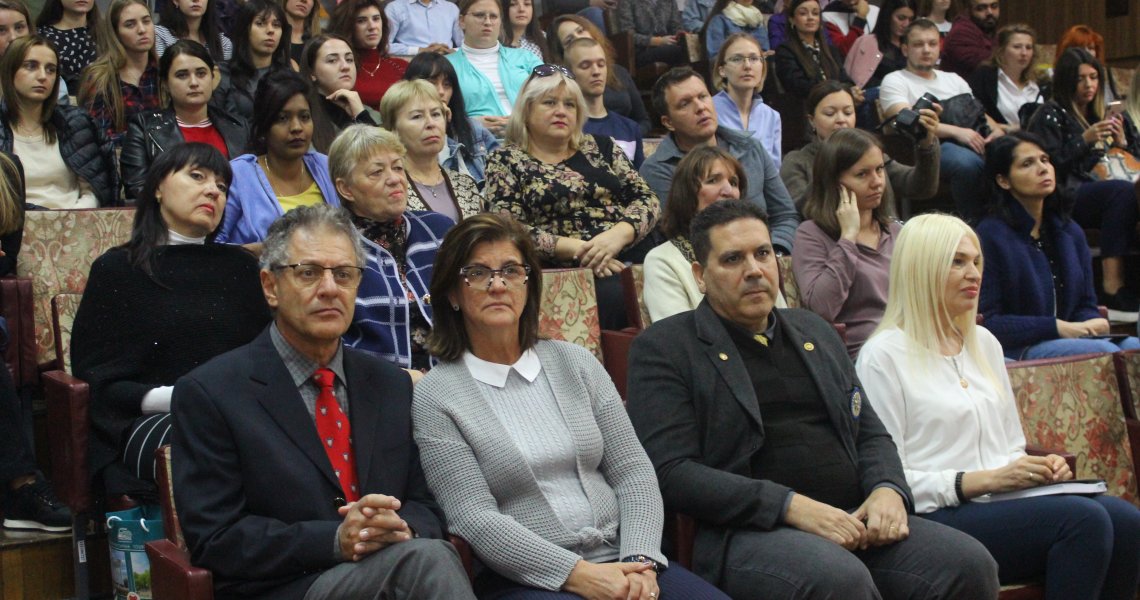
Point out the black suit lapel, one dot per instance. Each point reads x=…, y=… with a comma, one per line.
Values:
x=722, y=353
x=364, y=408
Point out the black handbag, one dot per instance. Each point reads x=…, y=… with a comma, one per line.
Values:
x=964, y=110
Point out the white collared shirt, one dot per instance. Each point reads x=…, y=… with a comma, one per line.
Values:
x=528, y=366
x=1011, y=98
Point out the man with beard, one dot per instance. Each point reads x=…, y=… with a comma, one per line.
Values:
x=587, y=61
x=971, y=40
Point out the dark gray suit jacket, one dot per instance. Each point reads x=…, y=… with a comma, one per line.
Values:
x=694, y=408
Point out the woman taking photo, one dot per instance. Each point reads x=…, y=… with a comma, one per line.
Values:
x=393, y=313
x=304, y=24
x=187, y=72
x=522, y=29
x=157, y=307
x=939, y=384
x=806, y=57
x=1010, y=81
x=191, y=20
x=584, y=512
x=72, y=27
x=68, y=162
x=1077, y=134
x=580, y=197
x=281, y=171
x=123, y=81
x=364, y=24
x=329, y=64
x=258, y=52
x=741, y=69
x=729, y=18
x=414, y=111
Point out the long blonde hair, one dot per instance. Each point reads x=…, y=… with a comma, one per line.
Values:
x=101, y=77
x=11, y=196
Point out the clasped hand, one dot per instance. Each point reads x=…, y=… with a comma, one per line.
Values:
x=613, y=581
x=879, y=521
x=370, y=524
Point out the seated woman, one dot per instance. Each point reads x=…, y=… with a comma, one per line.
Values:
x=657, y=31
x=1039, y=298
x=468, y=142
x=197, y=21
x=262, y=49
x=393, y=313
x=580, y=197
x=938, y=383
x=878, y=53
x=1077, y=133
x=939, y=12
x=522, y=29
x=729, y=18
x=1010, y=81
x=304, y=22
x=187, y=71
x=68, y=161
x=525, y=442
x=281, y=171
x=489, y=73
x=157, y=307
x=329, y=64
x=621, y=95
x=806, y=57
x=123, y=81
x=741, y=70
x=842, y=253
x=414, y=111
x=830, y=108
x=71, y=27
x=362, y=22
x=1083, y=36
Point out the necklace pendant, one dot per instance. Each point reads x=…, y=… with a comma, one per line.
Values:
x=962, y=382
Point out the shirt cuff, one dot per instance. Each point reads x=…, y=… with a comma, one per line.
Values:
x=157, y=400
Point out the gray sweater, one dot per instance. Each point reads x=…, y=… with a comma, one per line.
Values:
x=489, y=493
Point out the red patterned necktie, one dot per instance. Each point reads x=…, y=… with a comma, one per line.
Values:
x=336, y=435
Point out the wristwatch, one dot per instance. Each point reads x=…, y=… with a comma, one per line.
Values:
x=641, y=558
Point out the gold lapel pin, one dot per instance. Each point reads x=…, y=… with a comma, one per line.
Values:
x=809, y=346
x=723, y=356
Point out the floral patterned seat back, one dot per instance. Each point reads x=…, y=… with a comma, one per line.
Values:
x=63, y=309
x=569, y=308
x=633, y=289
x=1073, y=404
x=1129, y=371
x=788, y=282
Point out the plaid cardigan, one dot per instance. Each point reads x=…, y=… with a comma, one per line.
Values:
x=380, y=321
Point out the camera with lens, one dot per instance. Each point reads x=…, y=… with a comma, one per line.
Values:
x=907, y=122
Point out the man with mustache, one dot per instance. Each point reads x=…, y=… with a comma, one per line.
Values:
x=759, y=429
x=972, y=37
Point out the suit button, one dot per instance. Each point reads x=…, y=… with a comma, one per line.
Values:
x=339, y=502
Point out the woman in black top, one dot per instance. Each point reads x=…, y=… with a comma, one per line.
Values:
x=806, y=58
x=260, y=50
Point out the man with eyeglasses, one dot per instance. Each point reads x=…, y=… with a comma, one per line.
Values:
x=295, y=472
x=587, y=62
x=972, y=37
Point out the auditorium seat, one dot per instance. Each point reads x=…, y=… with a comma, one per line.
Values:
x=172, y=575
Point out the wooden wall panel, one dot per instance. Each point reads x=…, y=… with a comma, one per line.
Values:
x=1052, y=17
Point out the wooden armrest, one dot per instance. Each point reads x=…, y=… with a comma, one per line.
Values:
x=67, y=401
x=172, y=575
x=615, y=352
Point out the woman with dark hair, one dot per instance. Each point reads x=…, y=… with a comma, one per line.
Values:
x=260, y=49
x=304, y=23
x=163, y=303
x=875, y=54
x=1077, y=134
x=280, y=172
x=14, y=22
x=739, y=72
x=1038, y=296
x=730, y=17
x=364, y=23
x=939, y=12
x=1010, y=80
x=468, y=142
x=68, y=161
x=1083, y=36
x=187, y=74
x=191, y=20
x=506, y=415
x=329, y=64
x=806, y=57
x=522, y=29
x=72, y=26
x=123, y=81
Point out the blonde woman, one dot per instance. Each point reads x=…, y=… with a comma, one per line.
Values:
x=939, y=384
x=123, y=81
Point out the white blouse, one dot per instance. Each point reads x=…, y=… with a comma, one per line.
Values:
x=940, y=427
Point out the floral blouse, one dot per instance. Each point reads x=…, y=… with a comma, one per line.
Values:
x=579, y=198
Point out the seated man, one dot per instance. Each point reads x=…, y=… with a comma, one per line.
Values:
x=971, y=40
x=686, y=108
x=962, y=148
x=759, y=429
x=586, y=58
x=422, y=26
x=295, y=473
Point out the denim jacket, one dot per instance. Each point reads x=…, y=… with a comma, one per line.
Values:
x=472, y=161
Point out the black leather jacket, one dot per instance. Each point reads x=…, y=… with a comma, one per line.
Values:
x=150, y=133
x=1063, y=134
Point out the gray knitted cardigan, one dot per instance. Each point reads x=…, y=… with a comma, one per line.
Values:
x=490, y=495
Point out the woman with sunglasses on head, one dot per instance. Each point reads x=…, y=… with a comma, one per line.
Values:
x=580, y=196
x=365, y=25
x=192, y=20
x=262, y=49
x=329, y=64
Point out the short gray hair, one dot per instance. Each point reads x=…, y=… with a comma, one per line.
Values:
x=309, y=218
x=357, y=143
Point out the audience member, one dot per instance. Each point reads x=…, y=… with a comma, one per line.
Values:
x=363, y=23
x=293, y=174
x=523, y=29
x=1039, y=297
x=580, y=198
x=973, y=37
x=304, y=24
x=1083, y=36
x=879, y=52
x=540, y=471
x=730, y=17
x=191, y=20
x=414, y=111
x=937, y=380
x=155, y=308
x=261, y=50
x=843, y=249
x=13, y=200
x=72, y=26
x=393, y=316
x=694, y=13
x=123, y=80
x=1010, y=80
x=622, y=96
x=687, y=111
x=740, y=70
x=187, y=72
x=828, y=517
x=68, y=162
x=657, y=31
x=423, y=26
x=329, y=63
x=1132, y=103
x=489, y=73
x=963, y=143
x=468, y=142
x=939, y=12
x=262, y=506
x=586, y=59
x=1077, y=133
x=806, y=58
x=846, y=20
x=14, y=20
